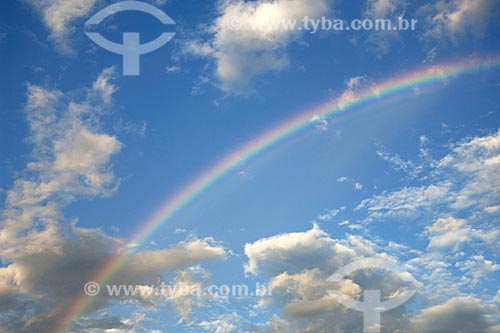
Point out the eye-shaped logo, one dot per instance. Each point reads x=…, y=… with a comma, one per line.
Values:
x=131, y=49
x=371, y=305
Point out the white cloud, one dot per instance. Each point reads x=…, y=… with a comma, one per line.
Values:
x=186, y=291
x=357, y=185
x=465, y=179
x=294, y=252
x=457, y=19
x=182, y=255
x=399, y=164
x=328, y=215
x=478, y=267
x=453, y=264
x=320, y=123
x=477, y=162
x=497, y=297
x=257, y=45
x=104, y=86
x=448, y=233
x=172, y=69
x=384, y=8
x=381, y=42
x=345, y=222
x=306, y=293
x=451, y=233
x=423, y=140
x=46, y=258
x=342, y=179
x=353, y=86
x=224, y=324
x=71, y=158
x=298, y=265
x=59, y=16
x=407, y=202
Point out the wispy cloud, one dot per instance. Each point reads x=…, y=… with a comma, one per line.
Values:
x=60, y=16
x=356, y=185
x=381, y=42
x=465, y=178
x=457, y=20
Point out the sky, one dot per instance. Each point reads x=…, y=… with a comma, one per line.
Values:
x=249, y=153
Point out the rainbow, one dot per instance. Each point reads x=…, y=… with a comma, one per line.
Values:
x=346, y=102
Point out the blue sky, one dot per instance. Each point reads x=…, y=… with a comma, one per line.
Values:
x=88, y=154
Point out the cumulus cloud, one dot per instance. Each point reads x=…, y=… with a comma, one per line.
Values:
x=459, y=314
x=301, y=293
x=59, y=16
x=294, y=252
x=249, y=39
x=298, y=265
x=46, y=258
x=71, y=158
x=306, y=293
x=452, y=263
